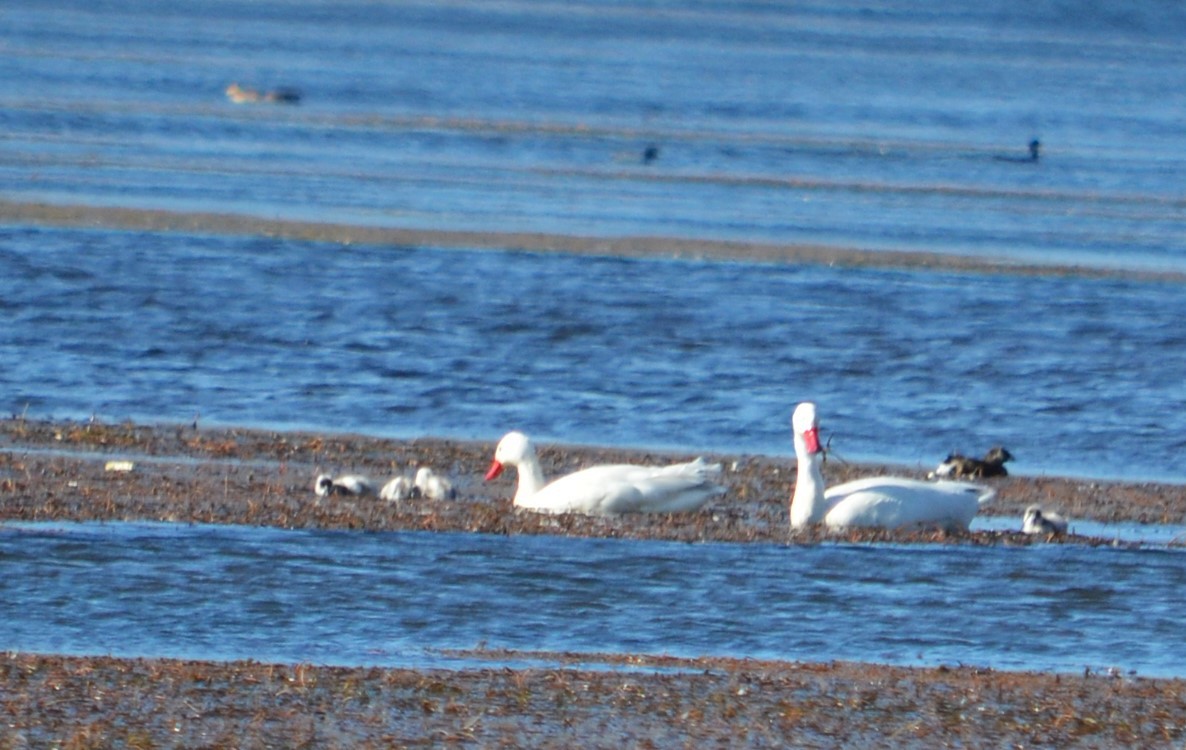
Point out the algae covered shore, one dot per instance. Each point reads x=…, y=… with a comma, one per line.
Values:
x=182, y=473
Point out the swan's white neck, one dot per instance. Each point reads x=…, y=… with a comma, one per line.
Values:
x=531, y=478
x=807, y=504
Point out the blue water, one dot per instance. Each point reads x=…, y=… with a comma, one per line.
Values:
x=834, y=123
x=887, y=128
x=1078, y=377
x=397, y=598
x=873, y=128
x=895, y=127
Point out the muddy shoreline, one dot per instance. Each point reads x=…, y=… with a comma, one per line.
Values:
x=159, y=220
x=182, y=473
x=101, y=702
x=186, y=473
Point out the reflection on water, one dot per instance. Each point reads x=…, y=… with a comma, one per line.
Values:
x=392, y=598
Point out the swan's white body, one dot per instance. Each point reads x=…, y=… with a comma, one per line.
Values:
x=350, y=484
x=608, y=489
x=877, y=502
x=433, y=486
x=1038, y=521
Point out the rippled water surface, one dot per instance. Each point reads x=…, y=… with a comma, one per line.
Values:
x=1073, y=376
x=394, y=598
x=880, y=127
x=872, y=128
x=893, y=127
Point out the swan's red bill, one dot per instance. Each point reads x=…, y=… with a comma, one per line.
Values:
x=811, y=439
x=495, y=470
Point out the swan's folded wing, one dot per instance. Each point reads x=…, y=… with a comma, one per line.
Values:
x=625, y=488
x=670, y=489
x=593, y=491
x=895, y=502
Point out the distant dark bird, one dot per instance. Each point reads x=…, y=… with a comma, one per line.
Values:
x=240, y=95
x=957, y=466
x=1035, y=147
x=996, y=457
x=649, y=154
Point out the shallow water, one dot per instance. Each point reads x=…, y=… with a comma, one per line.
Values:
x=1120, y=533
x=873, y=128
x=886, y=128
x=895, y=127
x=1079, y=377
x=395, y=598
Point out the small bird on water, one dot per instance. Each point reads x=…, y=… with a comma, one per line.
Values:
x=240, y=95
x=1038, y=521
x=1035, y=149
x=349, y=484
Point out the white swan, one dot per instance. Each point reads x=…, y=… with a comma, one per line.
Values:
x=350, y=484
x=879, y=502
x=604, y=490
x=1037, y=521
x=433, y=486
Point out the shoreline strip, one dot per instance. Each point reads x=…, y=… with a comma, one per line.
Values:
x=160, y=220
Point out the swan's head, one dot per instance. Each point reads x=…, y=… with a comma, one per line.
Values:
x=323, y=485
x=513, y=449
x=805, y=423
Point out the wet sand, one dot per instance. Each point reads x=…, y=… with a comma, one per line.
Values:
x=182, y=473
x=50, y=701
x=157, y=220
